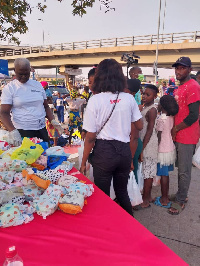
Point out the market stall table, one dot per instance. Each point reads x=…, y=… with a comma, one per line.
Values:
x=103, y=234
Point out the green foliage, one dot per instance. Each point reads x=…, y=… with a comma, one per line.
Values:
x=13, y=15
x=13, y=18
x=80, y=6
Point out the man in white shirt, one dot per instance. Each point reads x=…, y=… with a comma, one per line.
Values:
x=24, y=106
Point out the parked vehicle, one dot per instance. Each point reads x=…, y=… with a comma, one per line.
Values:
x=55, y=89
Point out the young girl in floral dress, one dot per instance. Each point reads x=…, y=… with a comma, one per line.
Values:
x=149, y=138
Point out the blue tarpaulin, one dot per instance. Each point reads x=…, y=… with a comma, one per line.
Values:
x=4, y=67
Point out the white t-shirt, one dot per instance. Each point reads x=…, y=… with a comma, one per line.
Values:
x=59, y=102
x=75, y=103
x=118, y=126
x=27, y=100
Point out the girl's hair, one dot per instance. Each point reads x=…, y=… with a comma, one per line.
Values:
x=152, y=87
x=169, y=104
x=91, y=72
x=109, y=77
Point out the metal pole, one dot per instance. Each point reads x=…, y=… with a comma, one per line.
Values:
x=56, y=74
x=156, y=62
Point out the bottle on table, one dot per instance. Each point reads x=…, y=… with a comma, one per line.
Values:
x=12, y=257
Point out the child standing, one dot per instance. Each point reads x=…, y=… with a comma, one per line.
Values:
x=166, y=148
x=150, y=143
x=60, y=103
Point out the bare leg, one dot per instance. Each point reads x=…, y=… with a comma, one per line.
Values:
x=70, y=137
x=164, y=190
x=55, y=141
x=147, y=192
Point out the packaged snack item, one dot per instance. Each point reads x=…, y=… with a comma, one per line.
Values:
x=28, y=151
x=71, y=203
x=47, y=203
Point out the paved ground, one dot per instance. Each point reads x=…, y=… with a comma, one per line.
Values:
x=181, y=233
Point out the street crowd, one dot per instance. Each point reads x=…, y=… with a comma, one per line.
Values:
x=120, y=123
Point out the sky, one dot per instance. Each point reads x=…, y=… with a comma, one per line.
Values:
x=130, y=18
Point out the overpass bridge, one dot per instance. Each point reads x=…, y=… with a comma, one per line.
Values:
x=87, y=53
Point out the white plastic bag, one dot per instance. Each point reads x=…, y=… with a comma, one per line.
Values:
x=140, y=177
x=134, y=191
x=91, y=176
x=196, y=158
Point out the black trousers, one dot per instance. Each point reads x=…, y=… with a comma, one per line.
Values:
x=112, y=159
x=42, y=134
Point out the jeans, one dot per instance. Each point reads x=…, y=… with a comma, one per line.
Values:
x=60, y=114
x=112, y=159
x=184, y=158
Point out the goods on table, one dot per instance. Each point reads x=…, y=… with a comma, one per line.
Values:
x=34, y=178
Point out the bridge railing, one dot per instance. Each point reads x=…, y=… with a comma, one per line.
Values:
x=110, y=42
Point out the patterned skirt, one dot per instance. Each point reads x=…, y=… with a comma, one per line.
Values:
x=74, y=120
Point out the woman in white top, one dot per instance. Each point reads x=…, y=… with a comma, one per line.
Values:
x=24, y=106
x=109, y=118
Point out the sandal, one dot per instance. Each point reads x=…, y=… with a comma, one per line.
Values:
x=172, y=197
x=158, y=203
x=177, y=207
x=139, y=207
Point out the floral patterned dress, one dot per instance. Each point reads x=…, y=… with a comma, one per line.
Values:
x=150, y=153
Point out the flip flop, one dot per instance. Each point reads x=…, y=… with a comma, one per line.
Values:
x=172, y=197
x=139, y=207
x=178, y=207
x=158, y=203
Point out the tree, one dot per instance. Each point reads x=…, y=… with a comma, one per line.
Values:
x=13, y=15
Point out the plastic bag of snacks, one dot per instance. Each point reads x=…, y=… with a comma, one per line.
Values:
x=7, y=154
x=7, y=176
x=12, y=214
x=72, y=203
x=28, y=151
x=81, y=188
x=47, y=203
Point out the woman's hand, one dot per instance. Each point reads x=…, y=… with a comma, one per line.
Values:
x=132, y=166
x=83, y=135
x=173, y=133
x=141, y=157
x=83, y=169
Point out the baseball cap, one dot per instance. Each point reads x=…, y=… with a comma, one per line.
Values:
x=184, y=61
x=133, y=85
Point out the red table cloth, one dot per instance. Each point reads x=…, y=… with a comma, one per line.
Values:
x=103, y=234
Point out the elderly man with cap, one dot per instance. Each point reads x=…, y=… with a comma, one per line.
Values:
x=24, y=106
x=185, y=132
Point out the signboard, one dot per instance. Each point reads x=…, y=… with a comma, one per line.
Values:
x=4, y=67
x=73, y=72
